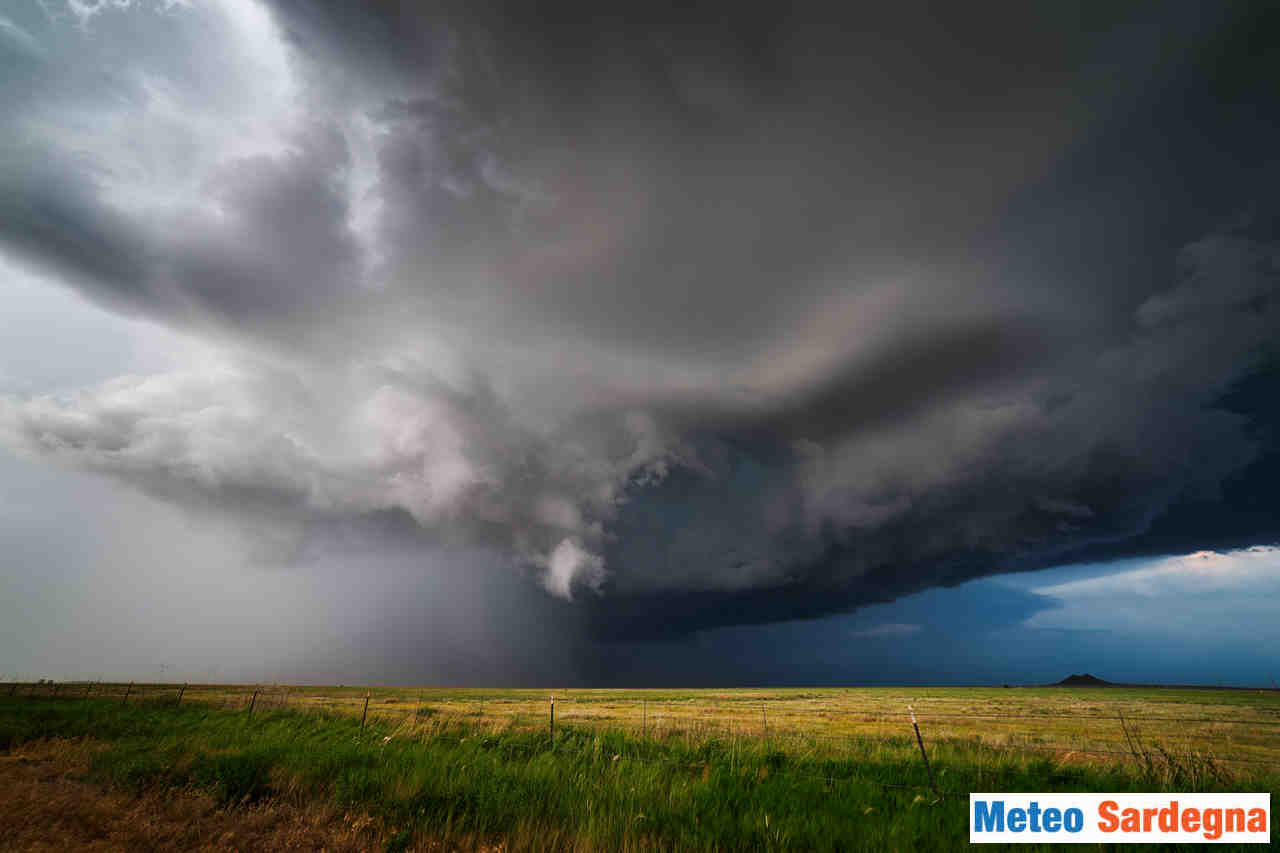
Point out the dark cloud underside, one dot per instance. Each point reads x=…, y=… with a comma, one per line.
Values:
x=699, y=317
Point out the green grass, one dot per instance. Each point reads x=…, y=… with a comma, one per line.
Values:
x=1240, y=725
x=598, y=789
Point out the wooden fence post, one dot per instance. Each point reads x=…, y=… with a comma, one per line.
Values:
x=87, y=690
x=178, y=701
x=252, y=700
x=644, y=719
x=920, y=740
x=764, y=723
x=553, y=722
x=127, y=691
x=364, y=714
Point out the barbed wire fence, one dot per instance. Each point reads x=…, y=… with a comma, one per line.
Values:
x=669, y=720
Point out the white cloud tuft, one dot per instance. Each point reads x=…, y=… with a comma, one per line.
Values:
x=570, y=565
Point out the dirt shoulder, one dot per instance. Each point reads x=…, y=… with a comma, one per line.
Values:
x=49, y=804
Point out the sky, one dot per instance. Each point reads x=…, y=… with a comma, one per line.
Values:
x=468, y=343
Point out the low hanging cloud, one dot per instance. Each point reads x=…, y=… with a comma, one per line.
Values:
x=728, y=321
x=302, y=450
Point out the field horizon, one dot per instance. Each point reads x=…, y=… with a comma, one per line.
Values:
x=643, y=769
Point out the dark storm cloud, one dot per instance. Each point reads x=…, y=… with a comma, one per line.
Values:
x=49, y=216
x=939, y=636
x=277, y=248
x=132, y=168
x=707, y=317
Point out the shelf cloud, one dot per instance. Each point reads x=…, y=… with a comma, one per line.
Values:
x=694, y=318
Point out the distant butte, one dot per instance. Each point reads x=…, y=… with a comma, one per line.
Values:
x=1083, y=680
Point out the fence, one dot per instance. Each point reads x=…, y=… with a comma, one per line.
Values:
x=786, y=723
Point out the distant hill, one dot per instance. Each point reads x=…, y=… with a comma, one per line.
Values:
x=1083, y=680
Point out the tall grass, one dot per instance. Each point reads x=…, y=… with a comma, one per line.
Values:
x=596, y=790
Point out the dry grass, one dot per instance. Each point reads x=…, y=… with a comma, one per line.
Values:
x=443, y=779
x=1081, y=722
x=1235, y=723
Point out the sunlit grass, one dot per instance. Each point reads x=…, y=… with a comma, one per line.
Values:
x=1239, y=724
x=457, y=777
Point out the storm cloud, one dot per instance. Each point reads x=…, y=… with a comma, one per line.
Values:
x=690, y=318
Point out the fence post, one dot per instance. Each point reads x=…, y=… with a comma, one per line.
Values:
x=55, y=688
x=364, y=714
x=644, y=719
x=13, y=689
x=87, y=690
x=178, y=701
x=553, y=722
x=920, y=740
x=127, y=691
x=764, y=723
x=253, y=699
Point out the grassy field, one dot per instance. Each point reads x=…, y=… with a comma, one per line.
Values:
x=1238, y=726
x=651, y=770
